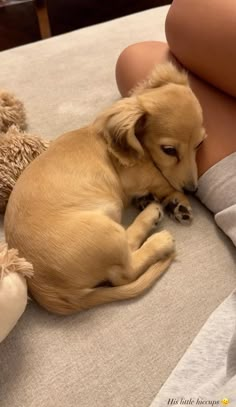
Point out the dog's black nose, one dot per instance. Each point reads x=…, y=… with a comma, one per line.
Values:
x=191, y=188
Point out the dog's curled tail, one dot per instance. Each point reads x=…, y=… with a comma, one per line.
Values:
x=102, y=295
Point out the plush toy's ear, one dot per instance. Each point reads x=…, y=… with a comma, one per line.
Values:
x=121, y=125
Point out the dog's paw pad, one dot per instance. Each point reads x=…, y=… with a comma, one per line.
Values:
x=179, y=212
x=183, y=208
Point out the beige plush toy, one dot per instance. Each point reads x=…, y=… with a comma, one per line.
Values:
x=17, y=150
x=11, y=112
x=13, y=288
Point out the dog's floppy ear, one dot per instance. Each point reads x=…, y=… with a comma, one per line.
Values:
x=120, y=125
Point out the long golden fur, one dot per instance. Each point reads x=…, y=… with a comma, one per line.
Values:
x=65, y=211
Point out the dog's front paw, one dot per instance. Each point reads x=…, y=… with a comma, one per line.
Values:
x=182, y=212
x=141, y=202
x=153, y=214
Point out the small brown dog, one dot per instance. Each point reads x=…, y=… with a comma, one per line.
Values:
x=65, y=211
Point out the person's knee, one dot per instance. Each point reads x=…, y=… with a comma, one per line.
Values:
x=136, y=61
x=123, y=66
x=131, y=66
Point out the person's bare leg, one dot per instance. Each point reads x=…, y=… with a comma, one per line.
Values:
x=202, y=35
x=220, y=123
x=137, y=61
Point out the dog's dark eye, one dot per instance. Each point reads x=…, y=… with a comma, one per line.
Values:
x=199, y=145
x=169, y=150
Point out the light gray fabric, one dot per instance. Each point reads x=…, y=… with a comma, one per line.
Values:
x=116, y=355
x=207, y=371
x=217, y=190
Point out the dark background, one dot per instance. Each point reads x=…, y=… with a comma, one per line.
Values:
x=65, y=15
x=27, y=21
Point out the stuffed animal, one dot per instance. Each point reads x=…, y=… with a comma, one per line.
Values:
x=17, y=150
x=13, y=288
x=12, y=111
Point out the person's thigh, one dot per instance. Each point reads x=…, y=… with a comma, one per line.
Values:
x=137, y=61
x=202, y=35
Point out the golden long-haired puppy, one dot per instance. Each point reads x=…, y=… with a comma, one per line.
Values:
x=65, y=211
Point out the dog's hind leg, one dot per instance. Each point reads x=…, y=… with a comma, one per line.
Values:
x=96, y=251
x=143, y=224
x=157, y=247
